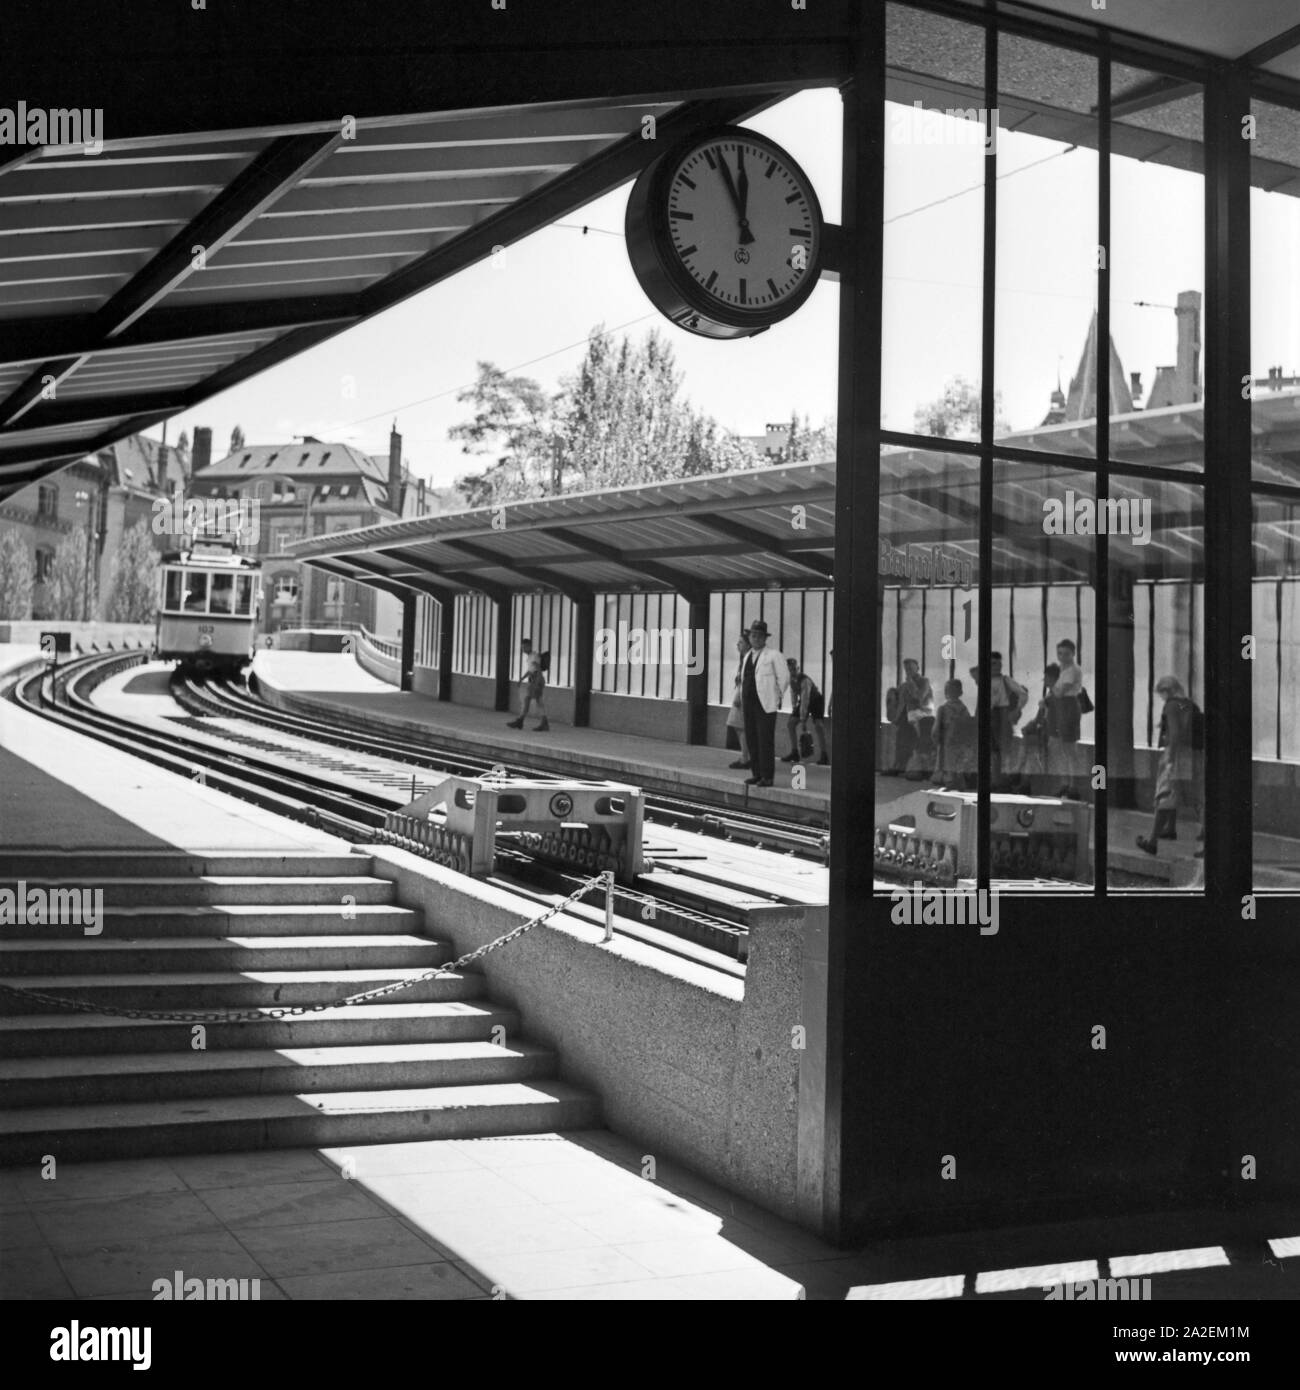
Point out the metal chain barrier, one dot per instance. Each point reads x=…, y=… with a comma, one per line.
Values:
x=262, y=1014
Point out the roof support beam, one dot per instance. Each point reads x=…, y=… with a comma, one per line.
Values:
x=761, y=541
x=277, y=169
x=679, y=583
x=87, y=409
x=534, y=575
x=35, y=340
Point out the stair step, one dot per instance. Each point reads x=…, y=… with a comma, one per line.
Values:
x=95, y=955
x=240, y=919
x=87, y=1080
x=64, y=1034
x=96, y=866
x=229, y=1123
x=230, y=989
x=328, y=891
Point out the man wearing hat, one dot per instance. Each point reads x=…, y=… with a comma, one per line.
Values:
x=763, y=682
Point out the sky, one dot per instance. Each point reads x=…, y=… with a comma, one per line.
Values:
x=532, y=309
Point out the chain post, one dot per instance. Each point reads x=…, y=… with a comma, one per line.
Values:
x=608, y=879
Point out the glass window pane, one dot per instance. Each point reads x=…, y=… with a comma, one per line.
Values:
x=1047, y=251
x=1275, y=294
x=934, y=219
x=1155, y=768
x=196, y=592
x=1157, y=270
x=928, y=635
x=222, y=598
x=174, y=589
x=1041, y=680
x=244, y=595
x=1276, y=679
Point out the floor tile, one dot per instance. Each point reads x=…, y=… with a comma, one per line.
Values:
x=78, y=1225
x=290, y=1203
x=91, y=1181
x=566, y=1182
x=334, y=1246
x=439, y=1282
x=133, y=1266
x=658, y=1216
x=416, y=1195
x=32, y=1272
x=472, y=1235
x=419, y=1156
x=520, y=1272
x=18, y=1227
x=697, y=1255
x=258, y=1169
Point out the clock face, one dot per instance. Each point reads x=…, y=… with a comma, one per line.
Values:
x=725, y=233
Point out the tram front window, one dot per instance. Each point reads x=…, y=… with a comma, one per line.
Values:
x=173, y=591
x=196, y=593
x=244, y=595
x=223, y=594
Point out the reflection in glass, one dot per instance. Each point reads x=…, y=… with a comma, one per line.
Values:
x=1047, y=254
x=1157, y=270
x=1276, y=702
x=1155, y=633
x=1275, y=295
x=1045, y=524
x=935, y=157
x=928, y=633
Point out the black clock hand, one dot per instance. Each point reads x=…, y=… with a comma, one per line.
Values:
x=746, y=236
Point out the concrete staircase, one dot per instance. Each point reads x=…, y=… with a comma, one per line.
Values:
x=236, y=931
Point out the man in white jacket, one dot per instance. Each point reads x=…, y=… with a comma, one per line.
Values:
x=764, y=679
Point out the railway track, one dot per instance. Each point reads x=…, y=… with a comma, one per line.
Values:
x=686, y=918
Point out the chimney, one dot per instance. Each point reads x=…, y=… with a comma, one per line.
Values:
x=1135, y=389
x=200, y=450
x=1188, y=371
x=395, y=470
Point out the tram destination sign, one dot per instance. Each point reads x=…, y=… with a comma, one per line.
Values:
x=934, y=565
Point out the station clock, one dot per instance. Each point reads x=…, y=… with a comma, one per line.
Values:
x=725, y=233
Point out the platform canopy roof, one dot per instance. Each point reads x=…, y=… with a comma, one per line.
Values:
x=774, y=527
x=229, y=134
x=762, y=527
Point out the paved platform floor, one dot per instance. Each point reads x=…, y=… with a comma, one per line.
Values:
x=553, y=1216
x=616, y=756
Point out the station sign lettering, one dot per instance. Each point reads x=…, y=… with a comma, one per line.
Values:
x=934, y=565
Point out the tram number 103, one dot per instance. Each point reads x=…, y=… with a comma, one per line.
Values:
x=206, y=631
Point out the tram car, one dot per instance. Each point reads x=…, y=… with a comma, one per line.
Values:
x=209, y=602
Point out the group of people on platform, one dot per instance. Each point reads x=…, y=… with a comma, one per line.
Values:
x=939, y=744
x=925, y=743
x=763, y=678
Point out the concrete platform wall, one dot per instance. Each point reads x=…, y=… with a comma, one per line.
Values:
x=694, y=1064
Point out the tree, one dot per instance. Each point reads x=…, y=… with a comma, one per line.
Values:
x=956, y=413
x=133, y=588
x=236, y=439
x=17, y=578
x=70, y=589
x=618, y=419
x=512, y=417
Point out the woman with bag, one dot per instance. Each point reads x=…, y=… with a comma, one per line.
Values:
x=1064, y=756
x=736, y=715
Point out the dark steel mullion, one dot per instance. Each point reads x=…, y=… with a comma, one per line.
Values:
x=988, y=406
x=1101, y=594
